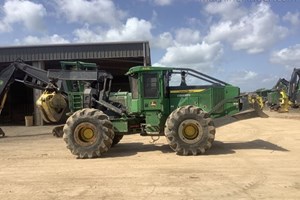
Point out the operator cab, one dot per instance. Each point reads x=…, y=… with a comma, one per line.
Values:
x=153, y=92
x=149, y=88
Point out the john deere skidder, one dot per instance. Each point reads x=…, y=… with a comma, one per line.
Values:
x=154, y=108
x=100, y=118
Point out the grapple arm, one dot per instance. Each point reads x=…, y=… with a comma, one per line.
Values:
x=6, y=78
x=29, y=75
x=51, y=104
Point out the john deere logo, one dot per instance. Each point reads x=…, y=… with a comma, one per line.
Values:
x=153, y=103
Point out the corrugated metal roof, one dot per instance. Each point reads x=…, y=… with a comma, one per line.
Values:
x=76, y=51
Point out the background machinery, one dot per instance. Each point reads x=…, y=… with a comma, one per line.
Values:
x=285, y=94
x=294, y=88
x=277, y=98
x=99, y=118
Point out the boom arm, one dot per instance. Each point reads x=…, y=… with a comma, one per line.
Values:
x=5, y=81
x=52, y=103
x=29, y=75
x=294, y=84
x=281, y=83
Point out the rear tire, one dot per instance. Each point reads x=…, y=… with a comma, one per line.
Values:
x=88, y=133
x=189, y=131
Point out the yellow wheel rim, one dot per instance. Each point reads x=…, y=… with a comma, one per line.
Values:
x=85, y=133
x=190, y=131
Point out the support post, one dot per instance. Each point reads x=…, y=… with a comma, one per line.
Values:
x=38, y=120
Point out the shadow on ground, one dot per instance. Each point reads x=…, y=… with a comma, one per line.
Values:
x=27, y=135
x=130, y=149
x=218, y=148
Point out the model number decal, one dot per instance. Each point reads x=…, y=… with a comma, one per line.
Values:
x=183, y=95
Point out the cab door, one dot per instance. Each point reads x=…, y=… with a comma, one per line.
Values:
x=151, y=96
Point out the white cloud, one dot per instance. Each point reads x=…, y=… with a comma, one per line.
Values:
x=163, y=40
x=228, y=10
x=134, y=29
x=86, y=35
x=4, y=27
x=182, y=36
x=200, y=55
x=34, y=40
x=22, y=11
x=289, y=57
x=93, y=12
x=192, y=21
x=293, y=18
x=244, y=76
x=254, y=32
x=163, y=2
x=187, y=36
x=245, y=79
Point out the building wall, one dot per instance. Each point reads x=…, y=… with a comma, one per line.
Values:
x=129, y=50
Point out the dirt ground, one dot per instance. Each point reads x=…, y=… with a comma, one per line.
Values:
x=251, y=159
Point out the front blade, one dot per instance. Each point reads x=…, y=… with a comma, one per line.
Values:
x=255, y=111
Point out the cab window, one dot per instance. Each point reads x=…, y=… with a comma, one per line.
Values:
x=151, y=89
x=133, y=80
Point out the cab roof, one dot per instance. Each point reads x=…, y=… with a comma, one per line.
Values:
x=138, y=69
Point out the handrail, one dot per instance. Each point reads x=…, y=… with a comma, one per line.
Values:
x=199, y=75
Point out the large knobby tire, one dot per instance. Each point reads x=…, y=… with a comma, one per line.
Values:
x=116, y=139
x=88, y=133
x=189, y=131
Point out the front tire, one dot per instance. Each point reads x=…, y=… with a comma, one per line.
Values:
x=116, y=140
x=88, y=133
x=189, y=131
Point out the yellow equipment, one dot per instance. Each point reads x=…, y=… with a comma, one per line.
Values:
x=284, y=102
x=52, y=106
x=255, y=98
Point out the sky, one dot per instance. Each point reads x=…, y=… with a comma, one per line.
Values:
x=247, y=43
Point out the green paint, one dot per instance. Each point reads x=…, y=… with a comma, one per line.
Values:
x=75, y=89
x=153, y=100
